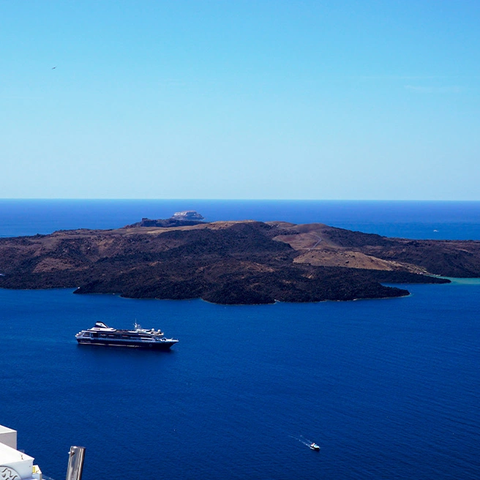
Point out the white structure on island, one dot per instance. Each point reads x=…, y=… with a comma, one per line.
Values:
x=14, y=464
x=187, y=215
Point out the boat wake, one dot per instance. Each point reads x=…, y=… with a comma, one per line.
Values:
x=303, y=440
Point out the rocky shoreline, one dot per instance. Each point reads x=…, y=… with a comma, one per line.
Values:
x=241, y=262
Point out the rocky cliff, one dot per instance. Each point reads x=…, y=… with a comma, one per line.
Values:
x=231, y=262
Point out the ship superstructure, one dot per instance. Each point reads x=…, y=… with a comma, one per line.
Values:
x=103, y=335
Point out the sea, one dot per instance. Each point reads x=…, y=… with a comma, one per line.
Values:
x=389, y=389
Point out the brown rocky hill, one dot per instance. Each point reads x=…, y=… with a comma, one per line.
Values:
x=231, y=262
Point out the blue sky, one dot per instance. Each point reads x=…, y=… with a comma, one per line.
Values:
x=242, y=99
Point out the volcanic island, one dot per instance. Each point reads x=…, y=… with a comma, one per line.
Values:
x=232, y=262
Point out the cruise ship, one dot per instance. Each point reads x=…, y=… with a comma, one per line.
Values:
x=103, y=335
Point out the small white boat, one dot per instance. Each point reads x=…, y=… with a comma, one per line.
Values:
x=314, y=446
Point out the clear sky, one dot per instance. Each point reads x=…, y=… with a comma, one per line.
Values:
x=241, y=99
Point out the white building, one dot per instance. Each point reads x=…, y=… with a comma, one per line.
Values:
x=15, y=465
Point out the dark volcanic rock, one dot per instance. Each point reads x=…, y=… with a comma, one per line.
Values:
x=446, y=258
x=347, y=238
x=168, y=222
x=231, y=262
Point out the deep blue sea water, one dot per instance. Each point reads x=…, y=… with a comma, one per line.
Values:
x=436, y=220
x=389, y=388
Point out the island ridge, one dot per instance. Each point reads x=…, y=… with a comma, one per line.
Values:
x=231, y=262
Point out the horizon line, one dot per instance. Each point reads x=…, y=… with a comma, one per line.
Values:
x=229, y=199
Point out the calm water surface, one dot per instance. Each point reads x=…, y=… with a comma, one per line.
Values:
x=437, y=220
x=388, y=388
